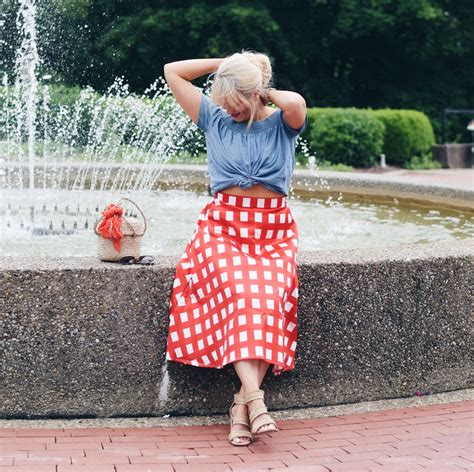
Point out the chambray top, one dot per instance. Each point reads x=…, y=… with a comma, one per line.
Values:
x=264, y=154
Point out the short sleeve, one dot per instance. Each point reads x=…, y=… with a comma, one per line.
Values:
x=293, y=132
x=206, y=109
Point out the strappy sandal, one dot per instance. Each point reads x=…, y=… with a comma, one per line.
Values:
x=256, y=414
x=239, y=419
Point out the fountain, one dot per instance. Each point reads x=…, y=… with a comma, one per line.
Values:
x=79, y=155
x=61, y=163
x=384, y=268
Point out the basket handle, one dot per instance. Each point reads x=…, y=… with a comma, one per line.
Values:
x=95, y=227
x=141, y=213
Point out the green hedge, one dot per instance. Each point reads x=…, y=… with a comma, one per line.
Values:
x=408, y=133
x=358, y=136
x=88, y=122
x=345, y=135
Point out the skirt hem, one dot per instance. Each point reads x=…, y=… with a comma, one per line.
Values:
x=284, y=367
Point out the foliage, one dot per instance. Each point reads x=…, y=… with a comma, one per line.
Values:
x=62, y=95
x=423, y=161
x=347, y=136
x=188, y=158
x=402, y=54
x=327, y=165
x=74, y=123
x=407, y=133
x=302, y=161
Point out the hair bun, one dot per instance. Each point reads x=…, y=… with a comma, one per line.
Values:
x=263, y=62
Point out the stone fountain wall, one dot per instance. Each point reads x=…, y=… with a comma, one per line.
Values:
x=86, y=338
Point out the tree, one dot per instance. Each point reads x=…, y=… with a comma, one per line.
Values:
x=365, y=53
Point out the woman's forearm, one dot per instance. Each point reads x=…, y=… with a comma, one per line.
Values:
x=284, y=99
x=191, y=69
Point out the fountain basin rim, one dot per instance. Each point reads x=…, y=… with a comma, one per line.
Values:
x=377, y=185
x=408, y=252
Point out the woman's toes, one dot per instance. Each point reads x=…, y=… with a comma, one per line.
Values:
x=267, y=427
x=243, y=440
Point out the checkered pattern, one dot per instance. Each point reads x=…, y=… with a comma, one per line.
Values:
x=236, y=287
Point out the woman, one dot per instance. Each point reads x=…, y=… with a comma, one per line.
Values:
x=235, y=291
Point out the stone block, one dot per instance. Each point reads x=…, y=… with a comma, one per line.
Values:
x=453, y=156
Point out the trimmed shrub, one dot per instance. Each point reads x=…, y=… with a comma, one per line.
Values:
x=408, y=133
x=345, y=135
x=424, y=161
x=76, y=123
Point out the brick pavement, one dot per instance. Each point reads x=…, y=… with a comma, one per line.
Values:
x=435, y=438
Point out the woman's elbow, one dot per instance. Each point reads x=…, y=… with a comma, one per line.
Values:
x=298, y=102
x=166, y=68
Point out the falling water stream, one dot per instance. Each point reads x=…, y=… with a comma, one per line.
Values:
x=26, y=84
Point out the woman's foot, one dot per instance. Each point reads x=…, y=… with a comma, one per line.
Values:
x=240, y=434
x=240, y=411
x=266, y=421
x=260, y=420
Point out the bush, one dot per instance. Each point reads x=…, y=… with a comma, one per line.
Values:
x=63, y=94
x=345, y=135
x=77, y=123
x=425, y=161
x=408, y=133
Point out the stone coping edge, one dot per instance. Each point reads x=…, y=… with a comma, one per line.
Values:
x=290, y=414
x=422, y=251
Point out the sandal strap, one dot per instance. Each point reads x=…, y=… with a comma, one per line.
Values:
x=243, y=420
x=254, y=395
x=259, y=422
x=256, y=412
x=239, y=399
x=239, y=420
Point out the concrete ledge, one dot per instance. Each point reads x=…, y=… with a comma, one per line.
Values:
x=86, y=338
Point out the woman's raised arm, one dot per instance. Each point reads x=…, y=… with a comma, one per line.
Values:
x=292, y=104
x=179, y=74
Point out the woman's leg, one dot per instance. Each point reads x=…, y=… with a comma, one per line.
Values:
x=251, y=373
x=262, y=370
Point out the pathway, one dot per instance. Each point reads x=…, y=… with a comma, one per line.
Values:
x=433, y=437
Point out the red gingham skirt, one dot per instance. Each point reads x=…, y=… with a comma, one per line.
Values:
x=235, y=290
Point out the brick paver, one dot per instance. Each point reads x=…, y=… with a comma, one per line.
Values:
x=438, y=438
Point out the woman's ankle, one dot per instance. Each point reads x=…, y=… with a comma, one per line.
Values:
x=247, y=390
x=238, y=407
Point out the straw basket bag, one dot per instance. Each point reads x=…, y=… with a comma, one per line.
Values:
x=132, y=229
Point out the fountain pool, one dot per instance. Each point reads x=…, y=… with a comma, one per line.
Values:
x=65, y=229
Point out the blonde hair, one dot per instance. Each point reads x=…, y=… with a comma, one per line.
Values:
x=240, y=75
